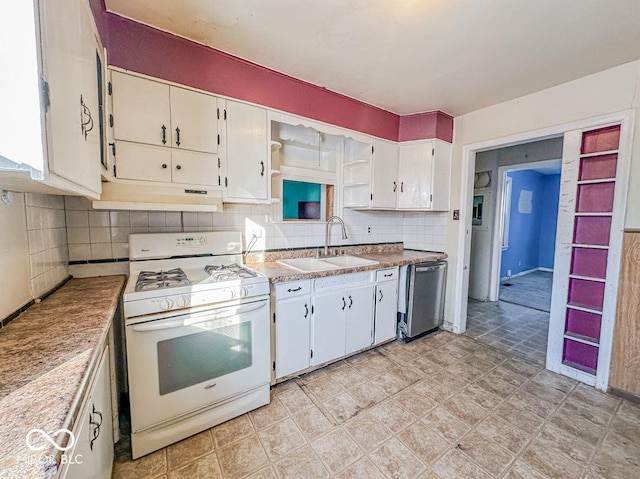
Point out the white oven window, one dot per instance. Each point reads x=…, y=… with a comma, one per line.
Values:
x=203, y=356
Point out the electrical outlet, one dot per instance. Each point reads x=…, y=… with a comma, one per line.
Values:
x=255, y=231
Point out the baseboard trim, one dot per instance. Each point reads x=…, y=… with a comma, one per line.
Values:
x=524, y=273
x=634, y=398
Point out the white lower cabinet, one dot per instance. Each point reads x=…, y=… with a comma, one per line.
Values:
x=333, y=317
x=293, y=319
x=386, y=308
x=92, y=454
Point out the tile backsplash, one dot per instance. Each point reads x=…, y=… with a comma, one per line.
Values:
x=100, y=234
x=47, y=238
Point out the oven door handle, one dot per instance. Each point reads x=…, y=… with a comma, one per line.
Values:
x=179, y=323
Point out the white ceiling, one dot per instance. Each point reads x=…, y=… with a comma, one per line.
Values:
x=409, y=56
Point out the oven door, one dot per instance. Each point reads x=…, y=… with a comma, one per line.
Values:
x=181, y=363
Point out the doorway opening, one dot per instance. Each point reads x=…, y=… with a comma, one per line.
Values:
x=515, y=210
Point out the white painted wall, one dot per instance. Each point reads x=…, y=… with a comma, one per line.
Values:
x=612, y=90
x=482, y=235
x=14, y=257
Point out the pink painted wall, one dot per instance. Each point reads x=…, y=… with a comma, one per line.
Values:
x=143, y=49
x=432, y=124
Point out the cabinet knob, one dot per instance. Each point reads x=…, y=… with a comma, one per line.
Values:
x=178, y=167
x=164, y=165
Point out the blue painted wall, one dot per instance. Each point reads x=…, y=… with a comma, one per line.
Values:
x=550, y=198
x=295, y=191
x=532, y=235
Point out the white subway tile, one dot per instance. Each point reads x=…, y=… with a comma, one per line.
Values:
x=157, y=218
x=78, y=235
x=77, y=219
x=76, y=203
x=100, y=235
x=120, y=250
x=98, y=218
x=139, y=218
x=101, y=251
x=119, y=218
x=174, y=219
x=120, y=234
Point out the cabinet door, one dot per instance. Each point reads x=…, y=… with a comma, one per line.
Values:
x=194, y=168
x=415, y=175
x=94, y=437
x=142, y=162
x=386, y=311
x=247, y=174
x=385, y=174
x=359, y=327
x=194, y=120
x=328, y=327
x=69, y=60
x=293, y=322
x=141, y=111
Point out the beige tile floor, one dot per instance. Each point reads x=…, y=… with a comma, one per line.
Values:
x=441, y=407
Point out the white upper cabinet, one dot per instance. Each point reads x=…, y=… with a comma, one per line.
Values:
x=384, y=183
x=415, y=175
x=247, y=172
x=424, y=174
x=49, y=113
x=141, y=110
x=163, y=133
x=193, y=120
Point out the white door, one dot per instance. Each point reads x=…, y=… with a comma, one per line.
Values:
x=142, y=162
x=385, y=174
x=359, y=327
x=194, y=168
x=293, y=323
x=386, y=311
x=328, y=327
x=415, y=175
x=141, y=111
x=194, y=120
x=247, y=172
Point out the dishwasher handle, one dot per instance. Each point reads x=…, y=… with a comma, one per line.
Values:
x=421, y=269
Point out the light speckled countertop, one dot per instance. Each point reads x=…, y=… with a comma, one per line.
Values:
x=279, y=273
x=45, y=356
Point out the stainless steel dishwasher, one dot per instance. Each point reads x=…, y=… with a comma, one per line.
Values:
x=425, y=299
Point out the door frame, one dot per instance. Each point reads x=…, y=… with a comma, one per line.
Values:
x=498, y=226
x=463, y=248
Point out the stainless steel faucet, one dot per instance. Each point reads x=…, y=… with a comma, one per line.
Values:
x=326, y=232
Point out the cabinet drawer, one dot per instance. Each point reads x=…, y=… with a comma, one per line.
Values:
x=388, y=274
x=292, y=288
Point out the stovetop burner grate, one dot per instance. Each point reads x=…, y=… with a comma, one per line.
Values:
x=150, y=280
x=226, y=272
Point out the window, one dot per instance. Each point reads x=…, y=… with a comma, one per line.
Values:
x=306, y=201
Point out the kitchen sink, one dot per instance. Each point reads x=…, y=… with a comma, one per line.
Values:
x=350, y=261
x=310, y=265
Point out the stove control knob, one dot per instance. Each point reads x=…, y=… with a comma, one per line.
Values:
x=244, y=292
x=183, y=301
x=166, y=304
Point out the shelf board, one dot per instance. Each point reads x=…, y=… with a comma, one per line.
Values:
x=356, y=183
x=580, y=367
x=592, y=246
x=594, y=214
x=583, y=308
x=599, y=153
x=599, y=180
x=356, y=162
x=587, y=278
x=275, y=172
x=581, y=339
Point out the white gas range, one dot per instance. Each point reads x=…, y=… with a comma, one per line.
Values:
x=198, y=335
